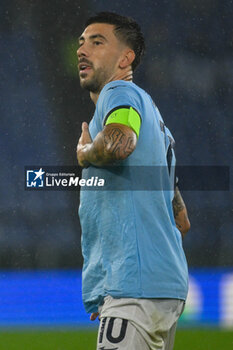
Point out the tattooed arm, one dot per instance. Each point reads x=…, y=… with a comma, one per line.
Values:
x=114, y=142
x=180, y=213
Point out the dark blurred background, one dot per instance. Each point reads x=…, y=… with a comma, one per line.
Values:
x=188, y=70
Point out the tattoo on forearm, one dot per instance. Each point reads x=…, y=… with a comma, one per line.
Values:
x=178, y=203
x=118, y=143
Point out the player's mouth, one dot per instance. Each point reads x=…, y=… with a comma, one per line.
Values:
x=84, y=67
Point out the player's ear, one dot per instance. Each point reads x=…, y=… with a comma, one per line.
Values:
x=127, y=58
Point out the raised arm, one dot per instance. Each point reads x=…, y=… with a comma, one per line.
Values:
x=114, y=142
x=180, y=213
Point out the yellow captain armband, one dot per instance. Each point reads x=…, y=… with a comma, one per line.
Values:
x=127, y=116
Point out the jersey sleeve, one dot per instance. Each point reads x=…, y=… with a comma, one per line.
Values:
x=120, y=103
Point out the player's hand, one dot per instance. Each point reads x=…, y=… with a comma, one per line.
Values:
x=93, y=316
x=82, y=148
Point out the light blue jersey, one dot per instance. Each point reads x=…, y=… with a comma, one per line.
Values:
x=130, y=243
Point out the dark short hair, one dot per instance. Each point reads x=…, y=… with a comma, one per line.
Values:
x=126, y=29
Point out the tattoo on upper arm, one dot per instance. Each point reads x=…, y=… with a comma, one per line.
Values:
x=129, y=146
x=178, y=203
x=119, y=143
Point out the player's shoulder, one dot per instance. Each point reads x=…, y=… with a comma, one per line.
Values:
x=121, y=93
x=122, y=87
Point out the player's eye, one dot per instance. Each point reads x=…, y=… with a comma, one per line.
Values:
x=97, y=43
x=79, y=45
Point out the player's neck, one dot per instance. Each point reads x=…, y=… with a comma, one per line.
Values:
x=125, y=75
x=94, y=97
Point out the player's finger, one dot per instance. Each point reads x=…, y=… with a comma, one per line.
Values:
x=93, y=316
x=85, y=127
x=85, y=137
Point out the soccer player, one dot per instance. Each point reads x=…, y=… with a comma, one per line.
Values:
x=135, y=273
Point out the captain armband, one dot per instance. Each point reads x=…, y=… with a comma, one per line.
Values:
x=127, y=116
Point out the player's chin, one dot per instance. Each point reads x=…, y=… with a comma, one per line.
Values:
x=84, y=79
x=87, y=84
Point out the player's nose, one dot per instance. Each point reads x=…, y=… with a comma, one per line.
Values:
x=82, y=51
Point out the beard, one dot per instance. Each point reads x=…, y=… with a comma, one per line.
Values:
x=96, y=82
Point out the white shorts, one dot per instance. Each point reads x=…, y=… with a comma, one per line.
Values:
x=138, y=324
